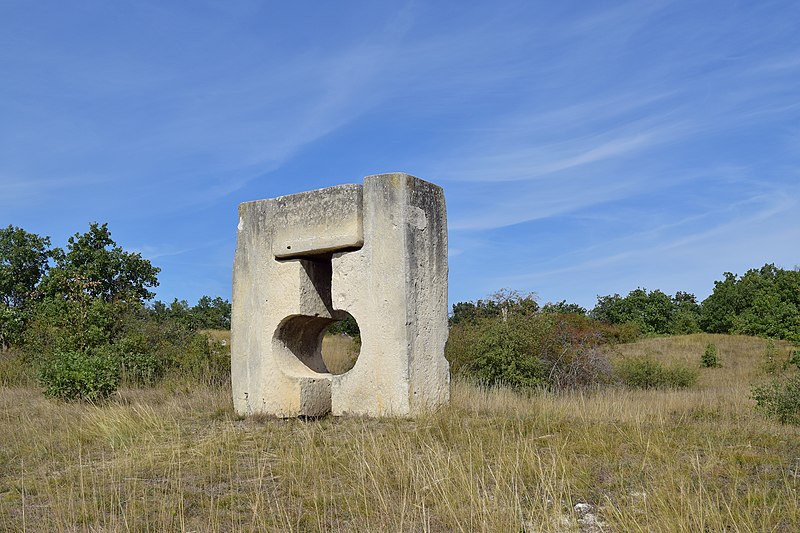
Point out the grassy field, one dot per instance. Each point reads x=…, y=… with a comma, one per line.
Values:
x=178, y=459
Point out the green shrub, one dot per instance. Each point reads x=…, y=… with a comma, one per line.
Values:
x=794, y=359
x=137, y=359
x=642, y=372
x=204, y=360
x=779, y=399
x=76, y=375
x=63, y=325
x=503, y=354
x=645, y=372
x=618, y=333
x=679, y=376
x=556, y=350
x=710, y=358
x=347, y=326
x=654, y=312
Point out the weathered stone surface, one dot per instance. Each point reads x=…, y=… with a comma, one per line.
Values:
x=315, y=222
x=378, y=252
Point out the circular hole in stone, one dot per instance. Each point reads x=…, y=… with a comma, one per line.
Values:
x=341, y=345
x=297, y=343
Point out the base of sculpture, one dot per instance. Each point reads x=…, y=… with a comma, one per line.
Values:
x=377, y=252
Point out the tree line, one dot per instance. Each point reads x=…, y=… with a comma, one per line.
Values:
x=37, y=281
x=82, y=317
x=509, y=339
x=762, y=302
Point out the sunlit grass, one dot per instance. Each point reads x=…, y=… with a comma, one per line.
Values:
x=493, y=460
x=339, y=353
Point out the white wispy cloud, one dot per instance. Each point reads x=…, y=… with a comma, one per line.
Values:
x=597, y=137
x=152, y=252
x=22, y=191
x=709, y=237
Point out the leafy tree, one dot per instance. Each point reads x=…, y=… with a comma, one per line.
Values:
x=213, y=313
x=208, y=313
x=347, y=326
x=655, y=310
x=764, y=301
x=502, y=303
x=511, y=301
x=470, y=311
x=77, y=323
x=685, y=314
x=610, y=309
x=82, y=322
x=563, y=308
x=720, y=309
x=94, y=265
x=710, y=358
x=178, y=311
x=88, y=295
x=652, y=311
x=23, y=260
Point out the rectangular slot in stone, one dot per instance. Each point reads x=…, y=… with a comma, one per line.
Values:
x=318, y=222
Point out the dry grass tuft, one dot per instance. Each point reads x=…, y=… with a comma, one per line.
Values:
x=220, y=336
x=493, y=460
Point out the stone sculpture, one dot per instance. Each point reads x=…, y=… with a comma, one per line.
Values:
x=377, y=251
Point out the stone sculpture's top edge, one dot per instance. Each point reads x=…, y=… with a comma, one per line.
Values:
x=336, y=188
x=392, y=174
x=313, y=192
x=402, y=177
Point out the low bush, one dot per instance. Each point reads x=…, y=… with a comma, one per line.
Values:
x=75, y=375
x=642, y=372
x=529, y=350
x=204, y=360
x=645, y=372
x=138, y=361
x=779, y=399
x=499, y=352
x=794, y=359
x=144, y=347
x=710, y=358
x=574, y=356
x=679, y=376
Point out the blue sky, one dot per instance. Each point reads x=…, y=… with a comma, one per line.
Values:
x=585, y=148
